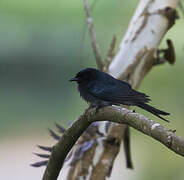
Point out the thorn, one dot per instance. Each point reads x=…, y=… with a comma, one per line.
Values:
x=45, y=148
x=42, y=155
x=60, y=128
x=54, y=135
x=39, y=164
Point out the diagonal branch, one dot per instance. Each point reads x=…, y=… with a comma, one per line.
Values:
x=94, y=43
x=110, y=53
x=114, y=114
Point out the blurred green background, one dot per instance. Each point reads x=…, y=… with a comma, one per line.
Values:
x=43, y=44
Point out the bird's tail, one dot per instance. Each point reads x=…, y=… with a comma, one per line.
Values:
x=153, y=110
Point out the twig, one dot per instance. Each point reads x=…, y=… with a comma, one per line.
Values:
x=95, y=45
x=113, y=114
x=110, y=53
x=168, y=54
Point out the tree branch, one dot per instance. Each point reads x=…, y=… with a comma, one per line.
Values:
x=110, y=53
x=114, y=114
x=94, y=43
x=62, y=148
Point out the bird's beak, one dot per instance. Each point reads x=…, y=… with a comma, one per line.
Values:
x=74, y=79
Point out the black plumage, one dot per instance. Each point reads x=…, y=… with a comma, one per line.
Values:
x=100, y=89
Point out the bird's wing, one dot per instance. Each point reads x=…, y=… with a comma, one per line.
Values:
x=117, y=92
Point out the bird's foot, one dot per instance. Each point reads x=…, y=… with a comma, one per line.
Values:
x=99, y=105
x=98, y=108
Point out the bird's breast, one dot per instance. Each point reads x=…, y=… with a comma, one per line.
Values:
x=85, y=94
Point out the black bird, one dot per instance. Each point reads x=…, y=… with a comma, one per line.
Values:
x=100, y=89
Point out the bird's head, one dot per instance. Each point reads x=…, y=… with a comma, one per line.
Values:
x=86, y=75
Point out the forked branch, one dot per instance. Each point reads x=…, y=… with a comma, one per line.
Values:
x=114, y=114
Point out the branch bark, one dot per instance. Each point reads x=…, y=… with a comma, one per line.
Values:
x=114, y=114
